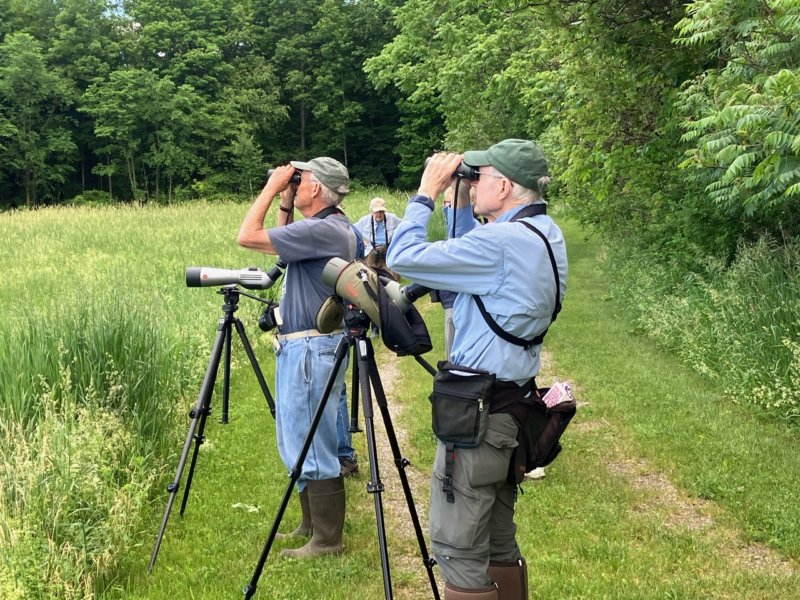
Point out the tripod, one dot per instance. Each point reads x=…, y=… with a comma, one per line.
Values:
x=202, y=408
x=366, y=370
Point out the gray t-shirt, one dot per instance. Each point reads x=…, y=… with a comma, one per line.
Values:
x=306, y=247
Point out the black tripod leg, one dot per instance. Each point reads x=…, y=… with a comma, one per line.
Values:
x=294, y=474
x=198, y=413
x=226, y=382
x=254, y=363
x=401, y=462
x=375, y=486
x=354, y=384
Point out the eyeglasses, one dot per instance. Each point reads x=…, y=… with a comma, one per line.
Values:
x=480, y=174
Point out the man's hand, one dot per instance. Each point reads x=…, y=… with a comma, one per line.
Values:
x=280, y=179
x=438, y=174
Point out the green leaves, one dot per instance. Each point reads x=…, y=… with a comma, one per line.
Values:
x=742, y=118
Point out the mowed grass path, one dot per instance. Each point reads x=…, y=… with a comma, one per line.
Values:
x=664, y=489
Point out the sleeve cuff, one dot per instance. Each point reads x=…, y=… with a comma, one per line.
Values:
x=424, y=200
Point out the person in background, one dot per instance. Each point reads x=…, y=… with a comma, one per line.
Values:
x=377, y=229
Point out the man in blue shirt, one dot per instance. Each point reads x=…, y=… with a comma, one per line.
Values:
x=377, y=229
x=508, y=267
x=305, y=357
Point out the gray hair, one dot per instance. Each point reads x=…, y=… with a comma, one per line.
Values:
x=528, y=195
x=329, y=197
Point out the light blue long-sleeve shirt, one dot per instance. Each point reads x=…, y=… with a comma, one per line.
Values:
x=503, y=262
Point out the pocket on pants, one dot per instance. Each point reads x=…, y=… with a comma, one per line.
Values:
x=454, y=524
x=488, y=463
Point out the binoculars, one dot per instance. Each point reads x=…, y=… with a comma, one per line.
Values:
x=464, y=170
x=295, y=176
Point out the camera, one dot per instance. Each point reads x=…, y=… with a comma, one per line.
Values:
x=270, y=317
x=295, y=176
x=464, y=171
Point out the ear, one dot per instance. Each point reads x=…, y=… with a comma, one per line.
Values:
x=507, y=188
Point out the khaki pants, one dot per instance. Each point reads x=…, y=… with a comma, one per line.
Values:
x=479, y=525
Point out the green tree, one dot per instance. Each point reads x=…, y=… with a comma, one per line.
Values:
x=742, y=115
x=87, y=45
x=35, y=143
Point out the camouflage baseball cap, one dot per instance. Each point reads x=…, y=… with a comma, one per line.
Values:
x=330, y=172
x=522, y=161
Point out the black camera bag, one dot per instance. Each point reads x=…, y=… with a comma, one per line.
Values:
x=460, y=404
x=539, y=434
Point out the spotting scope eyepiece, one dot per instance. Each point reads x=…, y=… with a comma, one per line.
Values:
x=251, y=278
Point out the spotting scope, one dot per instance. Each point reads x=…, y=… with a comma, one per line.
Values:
x=357, y=283
x=251, y=278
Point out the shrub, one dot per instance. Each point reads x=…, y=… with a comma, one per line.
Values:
x=735, y=324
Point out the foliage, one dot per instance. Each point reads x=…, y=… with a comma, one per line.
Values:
x=158, y=100
x=737, y=325
x=35, y=143
x=742, y=114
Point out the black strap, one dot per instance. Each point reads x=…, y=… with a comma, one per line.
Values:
x=449, y=459
x=529, y=211
x=327, y=212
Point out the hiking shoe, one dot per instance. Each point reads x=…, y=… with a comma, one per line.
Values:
x=349, y=467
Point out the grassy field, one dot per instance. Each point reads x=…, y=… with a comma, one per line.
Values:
x=663, y=490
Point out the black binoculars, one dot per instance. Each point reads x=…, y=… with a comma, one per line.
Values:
x=464, y=170
x=295, y=176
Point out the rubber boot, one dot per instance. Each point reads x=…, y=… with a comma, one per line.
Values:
x=326, y=503
x=304, y=529
x=511, y=579
x=455, y=593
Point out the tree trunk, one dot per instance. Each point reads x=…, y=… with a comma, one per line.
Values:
x=302, y=125
x=28, y=189
x=131, y=175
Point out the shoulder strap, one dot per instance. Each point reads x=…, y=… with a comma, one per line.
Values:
x=529, y=211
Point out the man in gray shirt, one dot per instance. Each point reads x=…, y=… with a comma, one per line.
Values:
x=305, y=357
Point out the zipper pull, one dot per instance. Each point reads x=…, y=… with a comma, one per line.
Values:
x=480, y=404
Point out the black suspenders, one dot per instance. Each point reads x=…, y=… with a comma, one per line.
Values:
x=528, y=211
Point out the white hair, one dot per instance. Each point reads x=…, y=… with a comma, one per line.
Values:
x=329, y=197
x=528, y=195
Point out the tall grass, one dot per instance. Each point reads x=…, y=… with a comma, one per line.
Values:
x=738, y=325
x=102, y=347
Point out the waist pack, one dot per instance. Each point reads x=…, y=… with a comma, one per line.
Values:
x=460, y=404
x=539, y=435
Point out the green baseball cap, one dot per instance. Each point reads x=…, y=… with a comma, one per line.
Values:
x=331, y=173
x=522, y=161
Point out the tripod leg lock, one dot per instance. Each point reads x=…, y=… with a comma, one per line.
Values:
x=195, y=413
x=402, y=462
x=173, y=487
x=375, y=488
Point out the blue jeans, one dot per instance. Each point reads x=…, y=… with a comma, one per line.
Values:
x=343, y=437
x=303, y=368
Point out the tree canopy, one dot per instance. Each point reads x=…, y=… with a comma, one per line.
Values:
x=662, y=121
